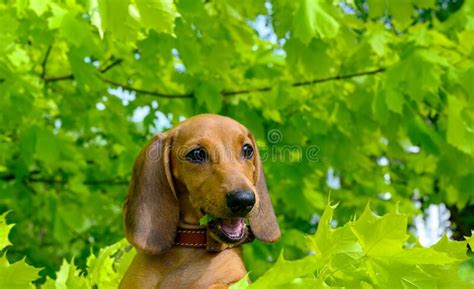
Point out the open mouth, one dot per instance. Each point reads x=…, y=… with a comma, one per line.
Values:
x=230, y=230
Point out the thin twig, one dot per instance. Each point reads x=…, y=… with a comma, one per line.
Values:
x=339, y=77
x=111, y=65
x=58, y=78
x=71, y=76
x=45, y=61
x=149, y=92
x=245, y=91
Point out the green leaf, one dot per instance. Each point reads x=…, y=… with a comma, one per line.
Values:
x=421, y=134
x=39, y=6
x=418, y=256
x=401, y=11
x=190, y=6
x=312, y=20
x=68, y=277
x=458, y=134
x=284, y=272
x=388, y=274
x=380, y=38
x=114, y=18
x=8, y=28
x=208, y=94
x=101, y=268
x=18, y=275
x=376, y=8
x=416, y=75
x=470, y=240
x=113, y=14
x=424, y=3
x=158, y=14
x=55, y=21
x=327, y=241
x=4, y=231
x=380, y=236
x=96, y=17
x=205, y=219
x=394, y=100
x=454, y=249
x=242, y=283
x=74, y=30
x=46, y=147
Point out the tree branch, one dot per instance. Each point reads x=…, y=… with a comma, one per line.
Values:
x=63, y=181
x=305, y=83
x=224, y=92
x=245, y=91
x=87, y=182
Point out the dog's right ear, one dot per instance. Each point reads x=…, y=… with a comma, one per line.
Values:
x=263, y=221
x=151, y=211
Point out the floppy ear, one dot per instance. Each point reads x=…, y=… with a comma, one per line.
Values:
x=151, y=209
x=263, y=221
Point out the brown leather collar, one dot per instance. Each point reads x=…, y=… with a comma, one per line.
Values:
x=191, y=237
x=201, y=237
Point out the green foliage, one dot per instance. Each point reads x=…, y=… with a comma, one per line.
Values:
x=4, y=231
x=312, y=20
x=19, y=274
x=375, y=94
x=103, y=271
x=368, y=252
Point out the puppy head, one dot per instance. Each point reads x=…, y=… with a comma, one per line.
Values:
x=208, y=164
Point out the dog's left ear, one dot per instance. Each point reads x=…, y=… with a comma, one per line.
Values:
x=151, y=210
x=263, y=221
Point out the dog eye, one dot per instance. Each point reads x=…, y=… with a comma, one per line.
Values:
x=197, y=155
x=247, y=151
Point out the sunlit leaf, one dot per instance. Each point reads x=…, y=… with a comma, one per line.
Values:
x=158, y=14
x=312, y=20
x=4, y=231
x=18, y=275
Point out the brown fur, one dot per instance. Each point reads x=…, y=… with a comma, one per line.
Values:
x=166, y=190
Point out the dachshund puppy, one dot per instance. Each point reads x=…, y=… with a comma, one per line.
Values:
x=206, y=166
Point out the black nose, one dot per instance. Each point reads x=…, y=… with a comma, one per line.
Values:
x=240, y=202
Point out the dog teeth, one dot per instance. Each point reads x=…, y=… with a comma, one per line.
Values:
x=236, y=235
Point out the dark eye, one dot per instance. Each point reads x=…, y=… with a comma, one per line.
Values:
x=197, y=155
x=247, y=151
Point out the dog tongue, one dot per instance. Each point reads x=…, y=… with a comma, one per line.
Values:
x=232, y=227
